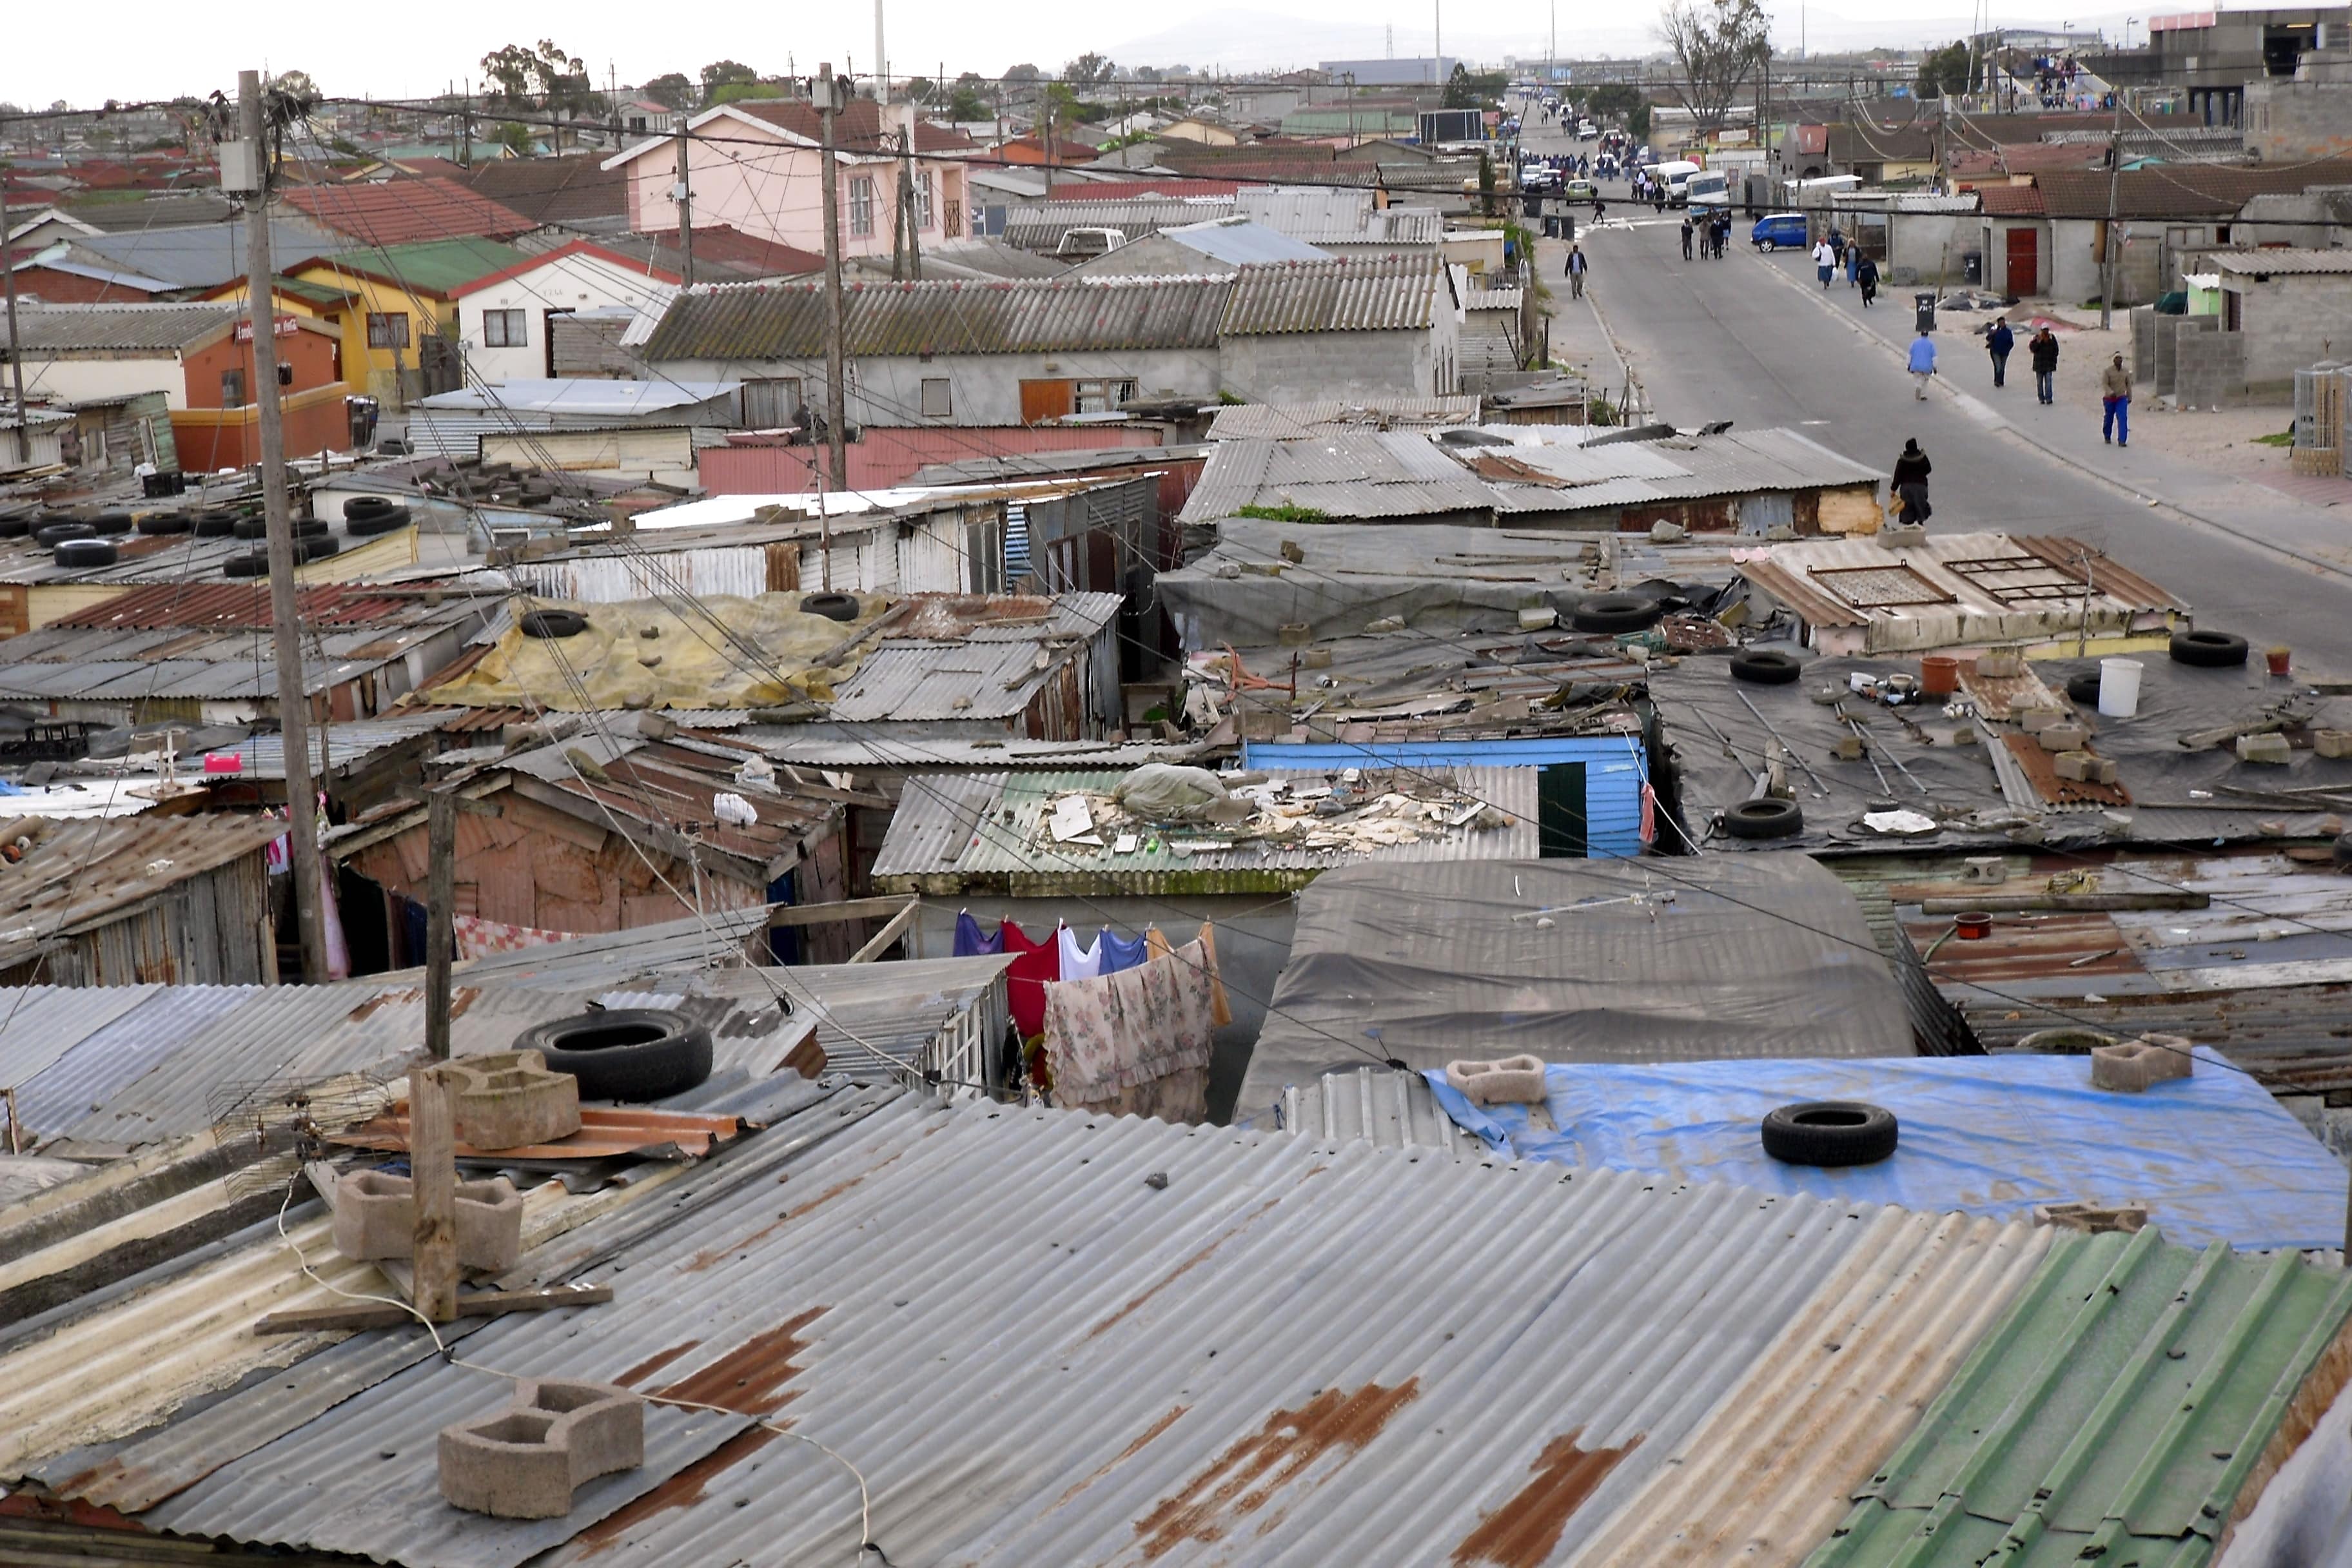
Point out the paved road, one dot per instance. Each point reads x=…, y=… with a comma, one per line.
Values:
x=1753, y=339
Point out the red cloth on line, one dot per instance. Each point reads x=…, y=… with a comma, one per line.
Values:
x=1025, y=983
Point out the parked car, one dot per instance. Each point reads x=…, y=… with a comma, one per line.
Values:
x=1776, y=230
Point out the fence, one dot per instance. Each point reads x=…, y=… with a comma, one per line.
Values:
x=2319, y=401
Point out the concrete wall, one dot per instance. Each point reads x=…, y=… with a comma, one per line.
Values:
x=1931, y=243
x=983, y=389
x=1288, y=367
x=2287, y=120
x=72, y=380
x=771, y=192
x=2210, y=367
x=2289, y=322
x=1994, y=241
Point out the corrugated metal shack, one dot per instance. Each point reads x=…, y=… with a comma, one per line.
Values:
x=1471, y=1363
x=203, y=652
x=134, y=899
x=1556, y=477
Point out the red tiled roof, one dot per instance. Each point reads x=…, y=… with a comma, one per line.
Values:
x=2179, y=190
x=2012, y=201
x=569, y=189
x=2026, y=158
x=402, y=211
x=738, y=249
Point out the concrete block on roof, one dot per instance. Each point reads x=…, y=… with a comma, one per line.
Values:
x=2085, y=768
x=527, y=1460
x=2065, y=737
x=375, y=1218
x=1513, y=1080
x=2131, y=1067
x=2270, y=749
x=2332, y=742
x=2033, y=720
x=2000, y=666
x=510, y=1101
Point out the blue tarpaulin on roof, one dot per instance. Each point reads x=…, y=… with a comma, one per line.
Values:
x=2213, y=1155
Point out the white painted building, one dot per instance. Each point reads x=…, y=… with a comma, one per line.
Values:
x=504, y=320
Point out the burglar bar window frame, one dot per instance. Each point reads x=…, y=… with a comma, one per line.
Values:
x=1854, y=585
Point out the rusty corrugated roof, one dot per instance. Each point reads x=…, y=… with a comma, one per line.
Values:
x=1037, y=315
x=237, y=607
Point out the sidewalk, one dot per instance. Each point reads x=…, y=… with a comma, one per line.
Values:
x=2245, y=508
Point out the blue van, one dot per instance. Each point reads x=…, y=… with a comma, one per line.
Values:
x=1778, y=230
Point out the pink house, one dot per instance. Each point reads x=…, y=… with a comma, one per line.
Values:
x=754, y=167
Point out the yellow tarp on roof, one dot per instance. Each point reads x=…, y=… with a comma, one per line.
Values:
x=724, y=651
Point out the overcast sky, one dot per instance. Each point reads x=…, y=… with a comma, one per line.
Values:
x=143, y=48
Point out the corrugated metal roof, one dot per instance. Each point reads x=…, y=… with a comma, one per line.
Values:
x=2280, y=263
x=1374, y=1105
x=1095, y=1368
x=240, y=606
x=1040, y=225
x=1288, y=421
x=2115, y=1413
x=1342, y=474
x=1348, y=294
x=738, y=322
x=80, y=874
x=990, y=832
x=118, y=329
x=1237, y=241
x=345, y=743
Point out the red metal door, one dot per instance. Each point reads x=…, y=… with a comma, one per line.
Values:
x=2024, y=272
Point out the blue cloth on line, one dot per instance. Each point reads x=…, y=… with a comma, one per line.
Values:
x=972, y=942
x=1122, y=951
x=2213, y=1156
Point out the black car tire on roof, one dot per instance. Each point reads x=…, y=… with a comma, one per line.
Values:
x=1831, y=1132
x=1616, y=613
x=1766, y=816
x=2084, y=688
x=2210, y=650
x=251, y=528
x=1766, y=665
x=552, y=623
x=831, y=607
x=163, y=523
x=361, y=506
x=58, y=532
x=317, y=548
x=14, y=527
x=625, y=1053
x=85, y=553
x=2344, y=849
x=112, y=522
x=375, y=520
x=254, y=564
x=216, y=524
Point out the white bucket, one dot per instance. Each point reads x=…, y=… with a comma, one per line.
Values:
x=2119, y=687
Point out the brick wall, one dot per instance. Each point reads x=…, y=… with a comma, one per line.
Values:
x=2288, y=120
x=2210, y=367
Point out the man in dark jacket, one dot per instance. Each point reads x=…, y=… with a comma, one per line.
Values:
x=1686, y=238
x=1910, y=482
x=1998, y=342
x=2043, y=347
x=1867, y=276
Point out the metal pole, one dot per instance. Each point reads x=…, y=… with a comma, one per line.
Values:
x=908, y=226
x=685, y=207
x=881, y=60
x=15, y=356
x=837, y=404
x=293, y=701
x=2115, y=178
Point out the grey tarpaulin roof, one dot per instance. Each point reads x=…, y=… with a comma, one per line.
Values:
x=1679, y=960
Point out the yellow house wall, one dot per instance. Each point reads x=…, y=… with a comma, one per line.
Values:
x=375, y=371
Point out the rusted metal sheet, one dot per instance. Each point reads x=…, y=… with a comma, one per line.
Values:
x=2040, y=768
x=604, y=1134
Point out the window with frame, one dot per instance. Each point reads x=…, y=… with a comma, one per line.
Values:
x=505, y=330
x=232, y=389
x=923, y=200
x=771, y=402
x=954, y=227
x=938, y=398
x=861, y=206
x=387, y=329
x=1103, y=396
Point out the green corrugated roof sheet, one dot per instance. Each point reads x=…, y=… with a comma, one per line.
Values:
x=429, y=267
x=2111, y=1417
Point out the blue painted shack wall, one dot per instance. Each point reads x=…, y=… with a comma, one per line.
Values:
x=1615, y=768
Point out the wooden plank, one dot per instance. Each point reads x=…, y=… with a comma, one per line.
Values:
x=440, y=919
x=433, y=1169
x=785, y=916
x=481, y=1304
x=2019, y=903
x=888, y=934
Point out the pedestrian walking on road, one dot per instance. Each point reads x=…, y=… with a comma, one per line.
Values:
x=1867, y=276
x=1686, y=238
x=2115, y=400
x=1599, y=207
x=1837, y=244
x=1998, y=342
x=1852, y=263
x=2043, y=347
x=1576, y=266
x=1824, y=261
x=1722, y=235
x=1922, y=362
x=1910, y=483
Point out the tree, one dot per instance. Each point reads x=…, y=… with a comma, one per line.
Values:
x=921, y=88
x=1485, y=182
x=1944, y=70
x=1483, y=90
x=965, y=105
x=546, y=78
x=720, y=73
x=1088, y=69
x=295, y=85
x=1022, y=73
x=1614, y=101
x=1716, y=46
x=737, y=91
x=1147, y=73
x=515, y=137
x=671, y=90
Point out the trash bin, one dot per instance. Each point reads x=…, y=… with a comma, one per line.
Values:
x=1925, y=306
x=1972, y=266
x=1552, y=226
x=363, y=411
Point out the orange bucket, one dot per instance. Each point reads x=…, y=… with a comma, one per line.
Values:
x=1939, y=675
